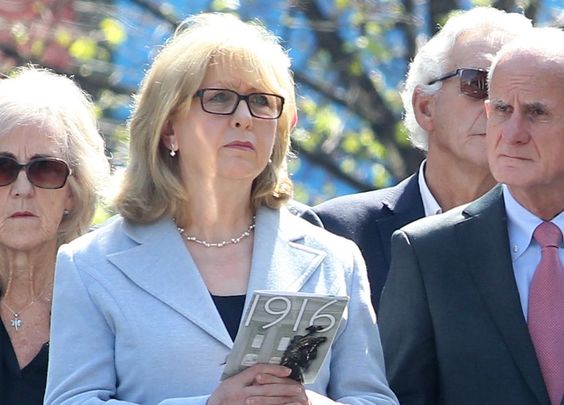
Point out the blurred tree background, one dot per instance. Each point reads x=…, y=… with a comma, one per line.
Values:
x=349, y=59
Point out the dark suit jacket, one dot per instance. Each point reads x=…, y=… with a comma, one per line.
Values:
x=369, y=219
x=451, y=322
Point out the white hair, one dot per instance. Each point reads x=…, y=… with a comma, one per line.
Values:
x=54, y=103
x=546, y=42
x=432, y=60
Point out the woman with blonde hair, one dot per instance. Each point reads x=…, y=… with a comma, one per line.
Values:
x=146, y=309
x=51, y=162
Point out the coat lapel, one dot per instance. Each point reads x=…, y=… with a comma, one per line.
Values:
x=405, y=205
x=485, y=245
x=280, y=262
x=162, y=266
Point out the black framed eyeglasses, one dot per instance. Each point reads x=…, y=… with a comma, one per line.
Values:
x=267, y=106
x=42, y=172
x=473, y=82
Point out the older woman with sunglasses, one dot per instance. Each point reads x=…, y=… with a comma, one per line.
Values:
x=51, y=158
x=146, y=309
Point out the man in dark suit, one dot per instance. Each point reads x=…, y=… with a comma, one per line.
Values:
x=443, y=100
x=473, y=309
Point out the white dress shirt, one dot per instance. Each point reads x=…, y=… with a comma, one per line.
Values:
x=430, y=204
x=525, y=251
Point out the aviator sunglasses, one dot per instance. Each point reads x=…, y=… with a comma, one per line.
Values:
x=43, y=172
x=473, y=82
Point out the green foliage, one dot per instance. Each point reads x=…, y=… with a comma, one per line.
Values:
x=381, y=175
x=301, y=193
x=482, y=3
x=113, y=31
x=83, y=48
x=224, y=5
x=350, y=56
x=20, y=33
x=102, y=214
x=401, y=134
x=63, y=37
x=342, y=4
x=37, y=47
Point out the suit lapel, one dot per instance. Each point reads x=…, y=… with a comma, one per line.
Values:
x=405, y=205
x=162, y=266
x=280, y=262
x=485, y=245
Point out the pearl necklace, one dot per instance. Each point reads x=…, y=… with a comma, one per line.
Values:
x=222, y=243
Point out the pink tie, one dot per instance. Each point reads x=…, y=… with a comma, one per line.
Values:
x=546, y=310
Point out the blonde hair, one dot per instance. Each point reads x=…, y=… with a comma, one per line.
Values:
x=151, y=185
x=54, y=103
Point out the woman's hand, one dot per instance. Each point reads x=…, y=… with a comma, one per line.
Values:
x=261, y=384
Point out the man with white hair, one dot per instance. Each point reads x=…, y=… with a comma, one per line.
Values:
x=473, y=309
x=444, y=112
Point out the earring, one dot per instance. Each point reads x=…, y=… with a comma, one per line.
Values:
x=172, y=152
x=66, y=212
x=269, y=161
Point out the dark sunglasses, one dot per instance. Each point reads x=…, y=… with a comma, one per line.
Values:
x=473, y=82
x=42, y=172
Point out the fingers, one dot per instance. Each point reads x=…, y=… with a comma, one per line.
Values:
x=273, y=369
x=263, y=378
x=261, y=384
x=275, y=390
x=273, y=401
x=287, y=392
x=268, y=400
x=269, y=374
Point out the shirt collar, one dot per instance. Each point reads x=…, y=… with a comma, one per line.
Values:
x=522, y=223
x=430, y=205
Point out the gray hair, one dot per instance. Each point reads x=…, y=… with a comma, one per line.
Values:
x=432, y=60
x=546, y=42
x=34, y=96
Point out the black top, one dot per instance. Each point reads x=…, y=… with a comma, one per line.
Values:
x=230, y=309
x=21, y=387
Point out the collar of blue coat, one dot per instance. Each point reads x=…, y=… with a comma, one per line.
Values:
x=158, y=262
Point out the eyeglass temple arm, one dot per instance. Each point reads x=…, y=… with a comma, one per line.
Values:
x=447, y=76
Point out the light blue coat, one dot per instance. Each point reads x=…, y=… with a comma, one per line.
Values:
x=133, y=322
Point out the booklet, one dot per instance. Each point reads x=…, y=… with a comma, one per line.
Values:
x=292, y=329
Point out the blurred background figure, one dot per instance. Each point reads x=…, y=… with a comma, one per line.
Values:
x=146, y=309
x=443, y=100
x=51, y=161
